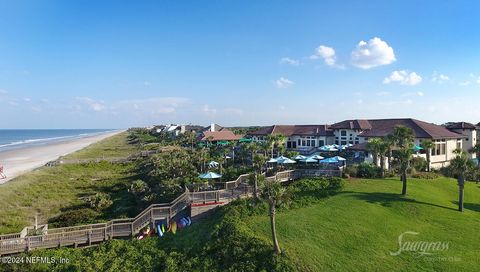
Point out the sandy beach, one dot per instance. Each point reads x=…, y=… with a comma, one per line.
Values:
x=19, y=161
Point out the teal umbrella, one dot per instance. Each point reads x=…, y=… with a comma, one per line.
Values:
x=245, y=140
x=309, y=159
x=272, y=160
x=300, y=157
x=210, y=175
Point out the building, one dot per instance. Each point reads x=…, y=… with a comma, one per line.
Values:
x=358, y=132
x=216, y=133
x=469, y=131
x=302, y=138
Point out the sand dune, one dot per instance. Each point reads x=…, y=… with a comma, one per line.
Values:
x=19, y=161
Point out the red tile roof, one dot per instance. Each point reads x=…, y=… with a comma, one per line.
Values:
x=383, y=127
x=353, y=124
x=224, y=135
x=290, y=130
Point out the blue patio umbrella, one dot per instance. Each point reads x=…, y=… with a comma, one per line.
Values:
x=309, y=159
x=335, y=159
x=317, y=157
x=272, y=160
x=209, y=175
x=417, y=148
x=284, y=160
x=300, y=157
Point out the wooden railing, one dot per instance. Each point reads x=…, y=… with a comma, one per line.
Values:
x=94, y=233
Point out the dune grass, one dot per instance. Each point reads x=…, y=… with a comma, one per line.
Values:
x=357, y=229
x=48, y=191
x=112, y=147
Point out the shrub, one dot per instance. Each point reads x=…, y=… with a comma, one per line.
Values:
x=351, y=170
x=139, y=187
x=365, y=170
x=426, y=175
x=419, y=164
x=99, y=201
x=74, y=217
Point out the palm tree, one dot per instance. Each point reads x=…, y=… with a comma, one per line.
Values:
x=459, y=166
x=271, y=142
x=403, y=138
x=258, y=161
x=390, y=142
x=274, y=194
x=373, y=147
x=428, y=145
x=253, y=148
x=379, y=148
x=280, y=143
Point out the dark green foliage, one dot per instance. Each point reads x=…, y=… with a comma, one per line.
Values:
x=99, y=201
x=304, y=192
x=73, y=218
x=426, y=175
x=419, y=164
x=365, y=170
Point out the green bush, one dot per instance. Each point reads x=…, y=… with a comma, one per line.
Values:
x=139, y=187
x=99, y=201
x=366, y=170
x=426, y=175
x=74, y=217
x=419, y=164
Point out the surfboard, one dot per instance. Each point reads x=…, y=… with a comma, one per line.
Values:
x=174, y=227
x=159, y=230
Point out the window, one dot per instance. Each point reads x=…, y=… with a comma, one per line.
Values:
x=289, y=144
x=304, y=143
x=343, y=133
x=299, y=143
x=321, y=142
x=344, y=142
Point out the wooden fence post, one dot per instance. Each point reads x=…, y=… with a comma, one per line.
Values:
x=28, y=243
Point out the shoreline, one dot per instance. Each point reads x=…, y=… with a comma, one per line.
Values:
x=22, y=160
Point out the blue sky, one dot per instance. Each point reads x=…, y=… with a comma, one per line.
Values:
x=103, y=64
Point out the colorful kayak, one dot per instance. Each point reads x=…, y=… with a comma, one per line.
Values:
x=159, y=230
x=173, y=227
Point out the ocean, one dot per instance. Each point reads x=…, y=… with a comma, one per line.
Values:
x=18, y=138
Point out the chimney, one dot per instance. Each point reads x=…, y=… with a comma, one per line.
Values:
x=212, y=127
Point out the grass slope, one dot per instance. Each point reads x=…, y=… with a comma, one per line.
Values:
x=357, y=229
x=50, y=190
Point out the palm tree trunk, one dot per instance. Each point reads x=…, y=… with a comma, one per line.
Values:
x=428, y=160
x=382, y=166
x=255, y=186
x=404, y=180
x=276, y=247
x=389, y=160
x=461, y=183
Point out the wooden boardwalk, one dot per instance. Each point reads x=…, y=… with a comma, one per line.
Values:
x=87, y=235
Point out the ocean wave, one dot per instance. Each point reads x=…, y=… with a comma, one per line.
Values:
x=46, y=140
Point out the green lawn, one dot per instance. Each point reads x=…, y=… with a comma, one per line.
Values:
x=357, y=229
x=50, y=190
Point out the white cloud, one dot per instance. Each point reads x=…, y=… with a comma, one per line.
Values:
x=464, y=83
x=420, y=94
x=233, y=111
x=151, y=106
x=403, y=77
x=326, y=53
x=92, y=104
x=440, y=78
x=373, y=53
x=3, y=91
x=283, y=83
x=478, y=80
x=383, y=93
x=289, y=61
x=208, y=111
x=147, y=83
